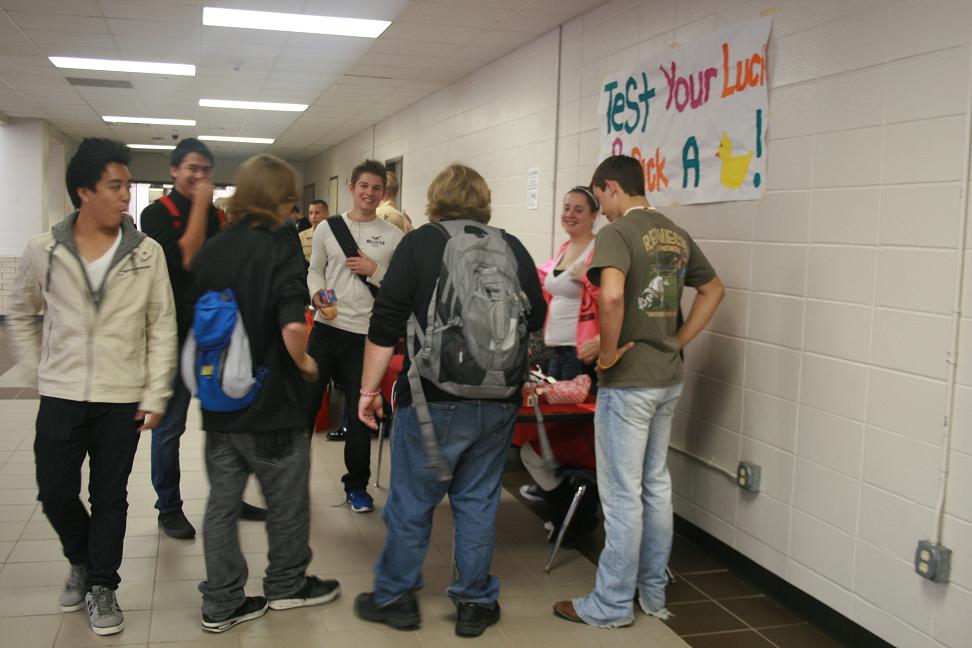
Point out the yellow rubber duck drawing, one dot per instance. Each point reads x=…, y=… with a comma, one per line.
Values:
x=734, y=168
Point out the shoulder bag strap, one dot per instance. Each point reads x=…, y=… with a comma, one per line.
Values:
x=348, y=245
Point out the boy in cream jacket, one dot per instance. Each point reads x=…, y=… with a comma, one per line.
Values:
x=105, y=355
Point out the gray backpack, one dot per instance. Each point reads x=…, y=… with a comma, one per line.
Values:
x=475, y=341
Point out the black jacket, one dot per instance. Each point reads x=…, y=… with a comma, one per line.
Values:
x=265, y=270
x=408, y=286
x=157, y=222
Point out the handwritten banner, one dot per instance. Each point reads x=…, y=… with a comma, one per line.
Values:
x=695, y=118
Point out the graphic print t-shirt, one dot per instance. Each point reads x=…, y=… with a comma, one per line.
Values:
x=658, y=259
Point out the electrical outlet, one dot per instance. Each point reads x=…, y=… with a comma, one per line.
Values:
x=748, y=475
x=933, y=561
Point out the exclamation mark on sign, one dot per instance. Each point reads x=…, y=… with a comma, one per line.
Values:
x=757, y=179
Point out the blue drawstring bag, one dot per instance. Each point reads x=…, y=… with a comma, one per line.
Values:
x=216, y=363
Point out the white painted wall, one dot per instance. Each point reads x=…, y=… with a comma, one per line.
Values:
x=33, y=156
x=499, y=120
x=826, y=361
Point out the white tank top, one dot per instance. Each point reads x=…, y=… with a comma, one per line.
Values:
x=565, y=298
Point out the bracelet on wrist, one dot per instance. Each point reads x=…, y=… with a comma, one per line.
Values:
x=369, y=394
x=604, y=367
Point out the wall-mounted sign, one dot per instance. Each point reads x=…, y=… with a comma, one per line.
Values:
x=695, y=118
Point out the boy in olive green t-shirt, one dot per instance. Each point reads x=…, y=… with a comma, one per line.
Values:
x=641, y=262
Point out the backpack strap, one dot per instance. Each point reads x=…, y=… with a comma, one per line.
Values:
x=348, y=245
x=170, y=206
x=174, y=212
x=432, y=454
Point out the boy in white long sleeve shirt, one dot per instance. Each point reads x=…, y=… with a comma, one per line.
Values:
x=337, y=344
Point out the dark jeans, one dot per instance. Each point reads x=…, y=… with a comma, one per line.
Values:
x=281, y=463
x=108, y=434
x=340, y=353
x=165, y=448
x=564, y=363
x=473, y=437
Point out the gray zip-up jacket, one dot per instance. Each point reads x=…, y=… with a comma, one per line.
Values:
x=112, y=345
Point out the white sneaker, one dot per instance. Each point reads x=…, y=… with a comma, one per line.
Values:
x=531, y=493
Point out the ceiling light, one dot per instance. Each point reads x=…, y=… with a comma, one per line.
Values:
x=149, y=120
x=107, y=65
x=274, y=21
x=247, y=140
x=252, y=105
x=152, y=147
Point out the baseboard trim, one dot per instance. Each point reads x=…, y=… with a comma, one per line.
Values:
x=828, y=620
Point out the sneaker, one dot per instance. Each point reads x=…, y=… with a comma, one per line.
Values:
x=103, y=611
x=175, y=524
x=360, y=501
x=72, y=596
x=531, y=493
x=402, y=613
x=253, y=513
x=253, y=607
x=472, y=619
x=550, y=530
x=314, y=592
x=337, y=435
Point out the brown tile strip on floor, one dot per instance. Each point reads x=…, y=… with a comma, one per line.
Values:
x=711, y=607
x=9, y=393
x=799, y=636
x=738, y=639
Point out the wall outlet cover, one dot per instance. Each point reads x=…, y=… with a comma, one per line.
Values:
x=748, y=476
x=933, y=561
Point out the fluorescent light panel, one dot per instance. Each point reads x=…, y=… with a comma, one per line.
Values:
x=274, y=21
x=107, y=65
x=252, y=105
x=245, y=140
x=152, y=147
x=114, y=119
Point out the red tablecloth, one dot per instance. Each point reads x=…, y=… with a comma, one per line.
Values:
x=555, y=417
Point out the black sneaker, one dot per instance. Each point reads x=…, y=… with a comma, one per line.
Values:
x=402, y=614
x=472, y=619
x=314, y=592
x=175, y=524
x=253, y=513
x=253, y=607
x=337, y=435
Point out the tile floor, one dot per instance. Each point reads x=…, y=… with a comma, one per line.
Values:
x=159, y=575
x=712, y=608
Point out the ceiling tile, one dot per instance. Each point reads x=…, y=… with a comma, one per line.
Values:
x=170, y=12
x=62, y=40
x=373, y=9
x=63, y=7
x=431, y=33
x=59, y=22
x=12, y=42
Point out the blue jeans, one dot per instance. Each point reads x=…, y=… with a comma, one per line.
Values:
x=632, y=427
x=473, y=437
x=165, y=449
